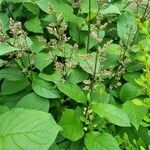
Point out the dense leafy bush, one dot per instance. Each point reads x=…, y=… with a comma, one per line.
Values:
x=75, y=75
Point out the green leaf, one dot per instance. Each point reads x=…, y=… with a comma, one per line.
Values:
x=131, y=77
x=76, y=33
x=112, y=113
x=85, y=6
x=112, y=9
x=130, y=91
x=136, y=113
x=11, y=74
x=92, y=43
x=6, y=48
x=76, y=145
x=59, y=7
x=99, y=94
x=11, y=87
x=113, y=54
x=3, y=109
x=27, y=129
x=77, y=75
x=126, y=27
x=4, y=22
x=32, y=7
x=38, y=45
x=33, y=101
x=54, y=77
x=87, y=62
x=72, y=126
x=73, y=91
x=143, y=133
x=100, y=141
x=44, y=89
x=34, y=25
x=42, y=60
x=12, y=100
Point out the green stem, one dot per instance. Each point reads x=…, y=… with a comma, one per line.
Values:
x=89, y=27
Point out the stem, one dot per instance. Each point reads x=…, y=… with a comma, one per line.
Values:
x=89, y=27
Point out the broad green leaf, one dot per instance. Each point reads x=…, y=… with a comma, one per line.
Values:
x=73, y=91
x=99, y=94
x=54, y=77
x=44, y=89
x=27, y=129
x=126, y=27
x=3, y=109
x=143, y=133
x=32, y=7
x=76, y=33
x=76, y=145
x=92, y=43
x=138, y=102
x=33, y=101
x=11, y=74
x=112, y=113
x=12, y=87
x=34, y=25
x=42, y=60
x=12, y=100
x=136, y=113
x=72, y=126
x=85, y=6
x=24, y=59
x=59, y=7
x=131, y=77
x=77, y=75
x=6, y=48
x=18, y=12
x=130, y=91
x=134, y=67
x=4, y=22
x=87, y=62
x=100, y=141
x=38, y=45
x=67, y=52
x=112, y=9
x=48, y=18
x=113, y=54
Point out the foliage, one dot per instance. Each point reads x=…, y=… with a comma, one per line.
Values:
x=74, y=74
